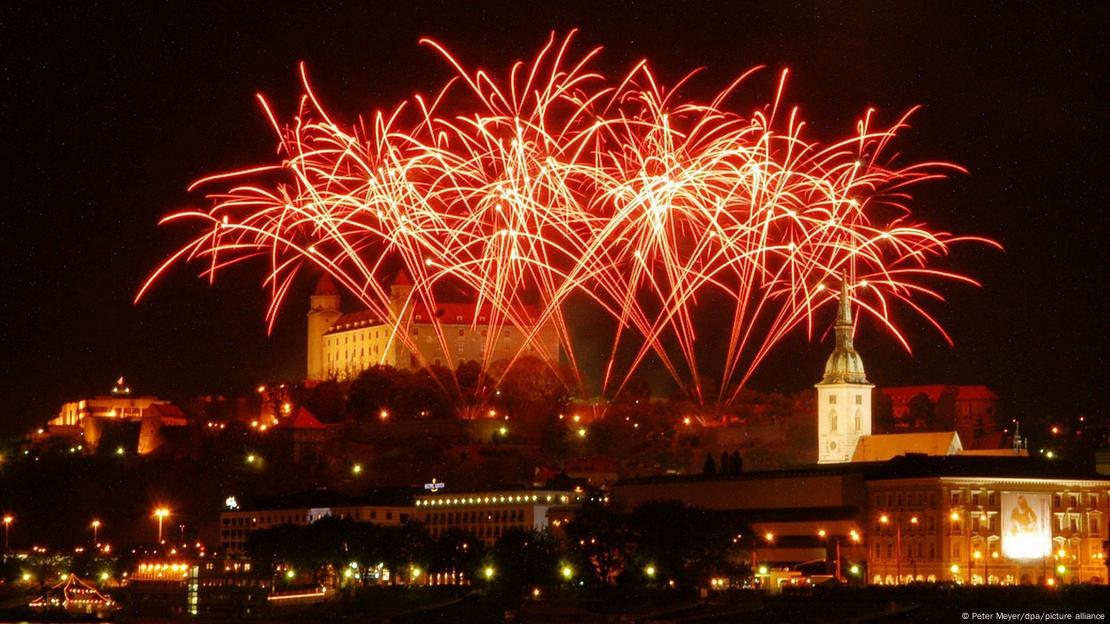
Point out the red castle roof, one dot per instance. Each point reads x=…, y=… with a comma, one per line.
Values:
x=326, y=286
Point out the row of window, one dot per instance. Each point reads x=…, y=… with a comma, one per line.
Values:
x=499, y=515
x=975, y=498
x=482, y=531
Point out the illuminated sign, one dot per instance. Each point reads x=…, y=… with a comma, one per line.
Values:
x=1026, y=528
x=434, y=486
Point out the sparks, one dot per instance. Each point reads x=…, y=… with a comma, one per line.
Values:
x=552, y=181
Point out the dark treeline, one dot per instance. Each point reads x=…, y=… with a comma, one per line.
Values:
x=658, y=543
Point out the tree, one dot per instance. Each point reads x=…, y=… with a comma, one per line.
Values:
x=921, y=411
x=602, y=539
x=533, y=389
x=458, y=550
x=737, y=463
x=327, y=401
x=375, y=389
x=709, y=467
x=525, y=558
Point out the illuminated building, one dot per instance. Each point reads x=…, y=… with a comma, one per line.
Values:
x=844, y=411
x=76, y=598
x=304, y=433
x=203, y=586
x=118, y=414
x=341, y=345
x=489, y=514
x=914, y=517
x=998, y=521
x=843, y=395
x=389, y=508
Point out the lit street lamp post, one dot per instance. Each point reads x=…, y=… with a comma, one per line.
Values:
x=8, y=519
x=161, y=514
x=96, y=532
x=955, y=517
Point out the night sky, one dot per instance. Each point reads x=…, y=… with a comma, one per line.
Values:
x=109, y=112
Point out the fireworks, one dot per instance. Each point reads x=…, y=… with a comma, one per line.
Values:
x=554, y=182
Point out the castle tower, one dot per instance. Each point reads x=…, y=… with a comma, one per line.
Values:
x=323, y=311
x=399, y=292
x=843, y=395
x=400, y=307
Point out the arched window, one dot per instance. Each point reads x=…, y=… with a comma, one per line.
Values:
x=832, y=420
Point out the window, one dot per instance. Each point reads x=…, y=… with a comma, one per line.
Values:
x=1056, y=500
x=975, y=498
x=832, y=421
x=832, y=399
x=1073, y=500
x=859, y=422
x=955, y=497
x=992, y=499
x=859, y=399
x=1092, y=500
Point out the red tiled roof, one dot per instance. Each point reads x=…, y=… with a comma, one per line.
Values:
x=303, y=419
x=360, y=318
x=326, y=286
x=446, y=313
x=402, y=278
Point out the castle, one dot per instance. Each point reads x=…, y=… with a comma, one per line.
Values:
x=341, y=345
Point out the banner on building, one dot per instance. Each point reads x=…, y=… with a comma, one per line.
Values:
x=1026, y=525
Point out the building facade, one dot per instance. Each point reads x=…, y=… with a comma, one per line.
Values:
x=987, y=529
x=914, y=518
x=341, y=345
x=236, y=525
x=489, y=514
x=136, y=421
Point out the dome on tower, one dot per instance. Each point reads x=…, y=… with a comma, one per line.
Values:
x=844, y=366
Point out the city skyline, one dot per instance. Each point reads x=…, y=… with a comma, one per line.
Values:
x=192, y=339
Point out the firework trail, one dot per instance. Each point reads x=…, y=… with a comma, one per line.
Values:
x=553, y=182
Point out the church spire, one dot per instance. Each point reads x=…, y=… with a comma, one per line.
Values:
x=844, y=364
x=844, y=318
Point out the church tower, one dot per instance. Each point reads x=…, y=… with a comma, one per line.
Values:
x=323, y=311
x=844, y=394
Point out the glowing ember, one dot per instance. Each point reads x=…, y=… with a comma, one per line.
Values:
x=554, y=181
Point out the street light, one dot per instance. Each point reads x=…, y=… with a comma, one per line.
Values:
x=885, y=519
x=567, y=572
x=96, y=530
x=161, y=514
x=955, y=517
x=488, y=572
x=8, y=519
x=649, y=570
